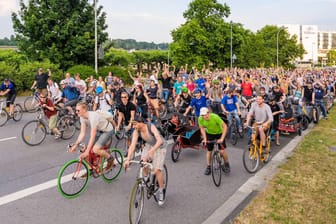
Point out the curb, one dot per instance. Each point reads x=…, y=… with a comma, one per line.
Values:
x=254, y=184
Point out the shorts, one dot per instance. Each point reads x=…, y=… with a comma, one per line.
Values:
x=53, y=122
x=103, y=138
x=10, y=99
x=211, y=137
x=159, y=156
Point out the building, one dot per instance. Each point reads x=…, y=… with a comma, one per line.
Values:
x=316, y=43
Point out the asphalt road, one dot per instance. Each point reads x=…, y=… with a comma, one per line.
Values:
x=28, y=191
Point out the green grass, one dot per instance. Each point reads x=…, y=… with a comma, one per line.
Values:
x=304, y=189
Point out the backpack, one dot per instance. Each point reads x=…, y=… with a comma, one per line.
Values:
x=98, y=105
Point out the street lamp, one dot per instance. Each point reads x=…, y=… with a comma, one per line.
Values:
x=96, y=39
x=231, y=46
x=281, y=28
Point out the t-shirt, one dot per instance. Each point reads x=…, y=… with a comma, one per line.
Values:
x=103, y=102
x=178, y=86
x=49, y=113
x=247, y=89
x=41, y=80
x=198, y=104
x=230, y=103
x=95, y=119
x=261, y=114
x=10, y=86
x=212, y=126
x=126, y=110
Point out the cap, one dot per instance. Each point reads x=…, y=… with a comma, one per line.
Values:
x=63, y=82
x=197, y=90
x=184, y=89
x=6, y=80
x=99, y=89
x=204, y=111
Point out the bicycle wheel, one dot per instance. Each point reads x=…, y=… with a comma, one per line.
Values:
x=121, y=145
x=3, y=117
x=165, y=181
x=136, y=204
x=31, y=104
x=304, y=122
x=34, y=132
x=73, y=178
x=113, y=173
x=266, y=154
x=233, y=134
x=66, y=126
x=176, y=151
x=163, y=111
x=17, y=112
x=251, y=159
x=216, y=167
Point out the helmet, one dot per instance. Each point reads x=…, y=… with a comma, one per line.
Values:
x=271, y=98
x=184, y=89
x=198, y=90
x=215, y=81
x=99, y=89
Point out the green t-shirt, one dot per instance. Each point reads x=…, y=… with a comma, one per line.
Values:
x=213, y=126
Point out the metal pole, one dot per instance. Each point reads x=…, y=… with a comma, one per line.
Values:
x=231, y=46
x=277, y=52
x=96, y=39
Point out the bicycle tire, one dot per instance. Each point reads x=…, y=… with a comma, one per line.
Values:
x=71, y=181
x=115, y=172
x=38, y=132
x=216, y=167
x=251, y=157
x=3, y=117
x=165, y=180
x=121, y=145
x=304, y=122
x=30, y=104
x=176, y=151
x=66, y=126
x=162, y=112
x=136, y=204
x=233, y=134
x=266, y=156
x=17, y=116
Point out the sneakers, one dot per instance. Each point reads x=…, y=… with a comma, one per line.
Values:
x=110, y=163
x=57, y=136
x=226, y=167
x=207, y=171
x=161, y=196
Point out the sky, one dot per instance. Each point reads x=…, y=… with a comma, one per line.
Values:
x=153, y=20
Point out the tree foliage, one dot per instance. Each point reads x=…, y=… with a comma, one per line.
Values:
x=59, y=30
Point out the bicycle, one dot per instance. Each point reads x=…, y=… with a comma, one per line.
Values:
x=255, y=153
x=34, y=132
x=234, y=130
x=74, y=175
x=4, y=116
x=31, y=103
x=151, y=186
x=217, y=163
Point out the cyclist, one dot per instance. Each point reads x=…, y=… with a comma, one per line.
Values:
x=70, y=95
x=101, y=132
x=230, y=106
x=183, y=100
x=154, y=149
x=51, y=113
x=263, y=117
x=8, y=87
x=212, y=127
x=198, y=102
x=319, y=95
x=41, y=81
x=102, y=101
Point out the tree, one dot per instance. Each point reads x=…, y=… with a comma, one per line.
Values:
x=203, y=39
x=59, y=30
x=331, y=55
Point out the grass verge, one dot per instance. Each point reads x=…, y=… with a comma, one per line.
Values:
x=304, y=189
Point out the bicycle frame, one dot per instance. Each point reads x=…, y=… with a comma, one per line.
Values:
x=259, y=147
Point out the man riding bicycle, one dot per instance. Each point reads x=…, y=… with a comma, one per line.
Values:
x=100, y=134
x=263, y=116
x=154, y=149
x=8, y=87
x=230, y=106
x=213, y=128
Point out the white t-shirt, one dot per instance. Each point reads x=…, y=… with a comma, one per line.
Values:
x=103, y=102
x=98, y=120
x=81, y=86
x=54, y=90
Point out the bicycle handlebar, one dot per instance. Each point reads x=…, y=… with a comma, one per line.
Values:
x=80, y=147
x=142, y=163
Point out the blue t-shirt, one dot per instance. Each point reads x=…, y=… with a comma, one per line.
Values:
x=230, y=103
x=198, y=104
x=10, y=86
x=319, y=93
x=200, y=83
x=70, y=93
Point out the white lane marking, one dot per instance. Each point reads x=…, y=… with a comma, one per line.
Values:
x=6, y=139
x=35, y=189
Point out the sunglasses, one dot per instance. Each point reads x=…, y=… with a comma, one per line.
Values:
x=123, y=97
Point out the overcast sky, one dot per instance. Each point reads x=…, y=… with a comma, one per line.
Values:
x=153, y=20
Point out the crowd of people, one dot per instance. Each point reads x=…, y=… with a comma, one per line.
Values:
x=258, y=95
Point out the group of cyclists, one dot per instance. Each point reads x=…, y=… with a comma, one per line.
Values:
x=248, y=95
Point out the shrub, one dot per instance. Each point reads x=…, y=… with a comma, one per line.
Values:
x=85, y=71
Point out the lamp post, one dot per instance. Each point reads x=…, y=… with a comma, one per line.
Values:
x=313, y=43
x=277, y=52
x=96, y=39
x=231, y=45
